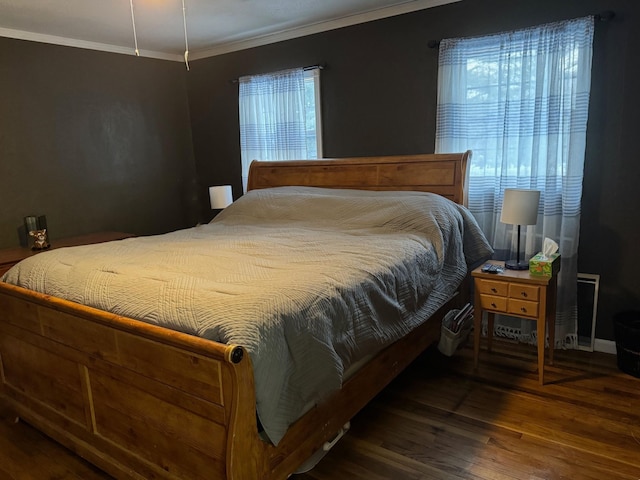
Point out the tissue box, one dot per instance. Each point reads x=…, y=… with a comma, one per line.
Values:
x=544, y=266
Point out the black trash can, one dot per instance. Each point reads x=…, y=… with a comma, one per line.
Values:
x=627, y=332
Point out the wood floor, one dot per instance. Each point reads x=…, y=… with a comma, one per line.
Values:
x=442, y=420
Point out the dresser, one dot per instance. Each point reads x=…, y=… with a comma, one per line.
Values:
x=10, y=256
x=518, y=294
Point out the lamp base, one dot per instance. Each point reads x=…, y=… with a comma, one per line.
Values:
x=516, y=265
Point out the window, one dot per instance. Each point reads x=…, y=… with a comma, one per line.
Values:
x=280, y=117
x=519, y=100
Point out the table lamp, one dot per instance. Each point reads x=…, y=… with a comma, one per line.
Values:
x=519, y=207
x=220, y=197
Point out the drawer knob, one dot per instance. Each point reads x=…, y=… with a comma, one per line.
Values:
x=523, y=309
x=493, y=289
x=494, y=305
x=524, y=294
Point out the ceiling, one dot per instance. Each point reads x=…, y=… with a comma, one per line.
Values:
x=213, y=26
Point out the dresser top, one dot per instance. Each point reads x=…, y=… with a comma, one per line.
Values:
x=16, y=254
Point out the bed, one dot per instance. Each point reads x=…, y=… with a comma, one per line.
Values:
x=144, y=401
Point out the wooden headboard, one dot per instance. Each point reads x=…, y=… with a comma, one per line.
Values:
x=441, y=173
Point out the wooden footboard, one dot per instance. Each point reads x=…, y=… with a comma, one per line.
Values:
x=144, y=402
x=136, y=400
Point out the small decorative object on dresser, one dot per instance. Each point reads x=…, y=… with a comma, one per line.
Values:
x=35, y=232
x=30, y=223
x=40, y=240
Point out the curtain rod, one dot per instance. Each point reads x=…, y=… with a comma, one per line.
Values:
x=320, y=66
x=601, y=17
x=605, y=16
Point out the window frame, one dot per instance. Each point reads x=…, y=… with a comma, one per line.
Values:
x=313, y=75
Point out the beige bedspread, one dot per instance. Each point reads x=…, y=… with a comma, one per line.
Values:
x=307, y=280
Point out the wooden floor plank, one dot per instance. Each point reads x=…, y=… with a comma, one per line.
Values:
x=498, y=422
x=26, y=454
x=444, y=420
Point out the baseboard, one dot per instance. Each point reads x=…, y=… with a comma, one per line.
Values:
x=606, y=346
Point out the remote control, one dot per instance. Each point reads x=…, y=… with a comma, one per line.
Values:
x=491, y=268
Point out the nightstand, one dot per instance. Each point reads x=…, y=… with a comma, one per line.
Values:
x=10, y=256
x=518, y=294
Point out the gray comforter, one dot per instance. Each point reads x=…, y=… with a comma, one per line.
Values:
x=308, y=280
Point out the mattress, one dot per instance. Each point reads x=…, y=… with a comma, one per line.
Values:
x=308, y=280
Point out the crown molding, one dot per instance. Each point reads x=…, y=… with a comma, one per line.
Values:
x=407, y=7
x=378, y=14
x=72, y=42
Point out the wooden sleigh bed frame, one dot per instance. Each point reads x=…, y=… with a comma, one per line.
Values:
x=144, y=402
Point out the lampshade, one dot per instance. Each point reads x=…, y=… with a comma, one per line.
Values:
x=520, y=207
x=220, y=196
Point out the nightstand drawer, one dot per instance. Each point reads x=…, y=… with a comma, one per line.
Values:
x=523, y=308
x=496, y=304
x=491, y=287
x=524, y=292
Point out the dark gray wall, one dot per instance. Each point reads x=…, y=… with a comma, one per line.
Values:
x=94, y=141
x=379, y=97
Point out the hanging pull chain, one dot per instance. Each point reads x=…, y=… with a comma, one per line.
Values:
x=186, y=43
x=133, y=22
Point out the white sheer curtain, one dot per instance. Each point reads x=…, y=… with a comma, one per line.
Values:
x=272, y=118
x=520, y=100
